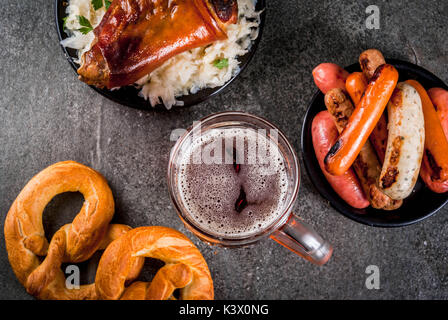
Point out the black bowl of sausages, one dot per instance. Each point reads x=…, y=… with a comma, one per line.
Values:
x=375, y=140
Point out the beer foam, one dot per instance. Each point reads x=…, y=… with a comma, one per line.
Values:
x=210, y=189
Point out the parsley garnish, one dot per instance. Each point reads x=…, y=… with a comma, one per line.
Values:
x=86, y=27
x=64, y=25
x=108, y=3
x=221, y=63
x=97, y=4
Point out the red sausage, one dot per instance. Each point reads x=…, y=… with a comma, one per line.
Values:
x=435, y=186
x=328, y=76
x=347, y=186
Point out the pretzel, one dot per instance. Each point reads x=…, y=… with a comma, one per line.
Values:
x=74, y=242
x=185, y=268
x=90, y=231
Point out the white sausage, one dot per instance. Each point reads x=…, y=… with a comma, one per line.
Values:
x=405, y=143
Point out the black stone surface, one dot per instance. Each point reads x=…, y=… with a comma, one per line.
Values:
x=47, y=115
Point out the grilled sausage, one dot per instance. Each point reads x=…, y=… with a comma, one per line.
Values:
x=369, y=61
x=363, y=120
x=328, y=76
x=366, y=165
x=324, y=134
x=405, y=144
x=378, y=138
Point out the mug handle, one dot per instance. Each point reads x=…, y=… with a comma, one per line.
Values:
x=300, y=238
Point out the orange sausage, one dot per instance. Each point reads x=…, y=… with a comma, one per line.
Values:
x=439, y=98
x=363, y=120
x=356, y=85
x=436, y=144
x=369, y=61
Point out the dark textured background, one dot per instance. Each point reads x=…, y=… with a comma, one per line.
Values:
x=47, y=115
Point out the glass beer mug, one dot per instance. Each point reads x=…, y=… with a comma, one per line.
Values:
x=282, y=224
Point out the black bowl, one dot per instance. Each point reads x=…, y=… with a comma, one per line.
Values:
x=420, y=205
x=128, y=96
